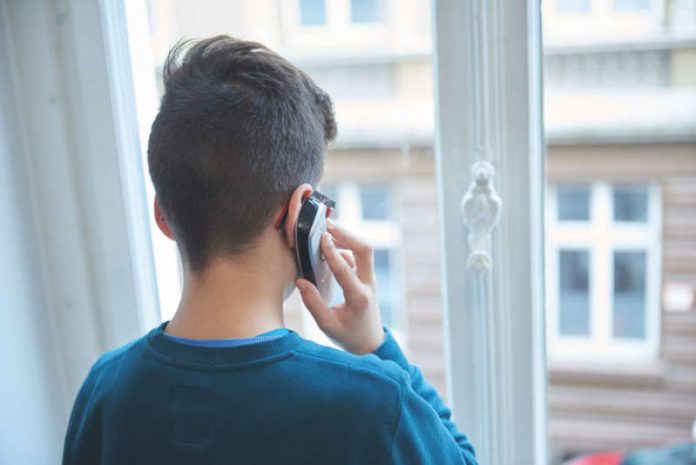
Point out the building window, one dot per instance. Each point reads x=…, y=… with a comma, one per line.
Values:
x=632, y=5
x=374, y=202
x=572, y=6
x=629, y=294
x=630, y=204
x=387, y=291
x=573, y=203
x=312, y=12
x=367, y=210
x=603, y=271
x=365, y=11
x=574, y=292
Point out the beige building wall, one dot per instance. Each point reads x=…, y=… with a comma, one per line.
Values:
x=684, y=67
x=414, y=78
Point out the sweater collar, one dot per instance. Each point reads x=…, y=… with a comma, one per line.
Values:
x=214, y=358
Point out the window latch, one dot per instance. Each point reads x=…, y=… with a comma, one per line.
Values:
x=481, y=207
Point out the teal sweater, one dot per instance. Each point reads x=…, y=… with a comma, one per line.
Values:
x=284, y=400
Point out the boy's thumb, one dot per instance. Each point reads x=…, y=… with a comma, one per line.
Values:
x=313, y=301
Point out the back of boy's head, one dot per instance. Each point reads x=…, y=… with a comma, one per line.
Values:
x=239, y=128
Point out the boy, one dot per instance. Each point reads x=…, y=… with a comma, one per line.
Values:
x=238, y=144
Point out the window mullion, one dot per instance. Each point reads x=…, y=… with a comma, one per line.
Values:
x=351, y=209
x=602, y=276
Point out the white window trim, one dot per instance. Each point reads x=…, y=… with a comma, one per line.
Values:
x=381, y=4
x=560, y=11
x=296, y=17
x=338, y=14
x=338, y=29
x=82, y=154
x=383, y=234
x=601, y=236
x=494, y=336
x=653, y=7
x=494, y=327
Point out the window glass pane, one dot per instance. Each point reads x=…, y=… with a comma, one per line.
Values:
x=630, y=203
x=385, y=284
x=631, y=5
x=312, y=12
x=365, y=11
x=574, y=297
x=629, y=294
x=573, y=203
x=573, y=6
x=374, y=201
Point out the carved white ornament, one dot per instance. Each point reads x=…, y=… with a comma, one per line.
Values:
x=481, y=210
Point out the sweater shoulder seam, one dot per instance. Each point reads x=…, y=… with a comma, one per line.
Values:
x=110, y=357
x=393, y=379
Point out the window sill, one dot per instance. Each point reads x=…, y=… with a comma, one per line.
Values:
x=650, y=374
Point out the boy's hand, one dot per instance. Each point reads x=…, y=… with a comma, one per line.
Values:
x=356, y=324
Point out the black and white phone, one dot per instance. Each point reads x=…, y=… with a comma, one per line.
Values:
x=310, y=225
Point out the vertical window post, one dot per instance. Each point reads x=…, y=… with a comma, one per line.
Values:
x=489, y=139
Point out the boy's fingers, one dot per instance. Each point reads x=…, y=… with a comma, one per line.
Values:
x=361, y=250
x=348, y=257
x=341, y=269
x=314, y=303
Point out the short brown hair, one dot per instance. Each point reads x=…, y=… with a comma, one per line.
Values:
x=239, y=128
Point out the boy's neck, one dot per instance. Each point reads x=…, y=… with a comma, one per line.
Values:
x=229, y=300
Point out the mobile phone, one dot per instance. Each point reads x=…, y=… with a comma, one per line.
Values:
x=311, y=224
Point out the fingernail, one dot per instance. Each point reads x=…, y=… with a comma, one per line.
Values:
x=329, y=240
x=299, y=284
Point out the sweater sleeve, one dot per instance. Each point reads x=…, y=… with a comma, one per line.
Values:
x=425, y=432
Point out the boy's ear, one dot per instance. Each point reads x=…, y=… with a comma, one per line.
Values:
x=298, y=196
x=161, y=222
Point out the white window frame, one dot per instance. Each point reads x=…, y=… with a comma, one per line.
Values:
x=337, y=32
x=298, y=15
x=381, y=5
x=81, y=163
x=650, y=8
x=81, y=150
x=488, y=107
x=562, y=11
x=382, y=234
x=601, y=236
